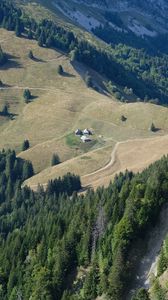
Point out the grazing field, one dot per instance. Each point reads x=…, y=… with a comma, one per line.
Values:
x=133, y=155
x=60, y=105
x=81, y=165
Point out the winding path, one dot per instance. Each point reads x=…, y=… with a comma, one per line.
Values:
x=27, y=87
x=113, y=155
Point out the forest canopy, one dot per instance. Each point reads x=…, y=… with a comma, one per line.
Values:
x=47, y=236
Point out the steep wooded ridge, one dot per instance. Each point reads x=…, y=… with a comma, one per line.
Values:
x=135, y=9
x=58, y=247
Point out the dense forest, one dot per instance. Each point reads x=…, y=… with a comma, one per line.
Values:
x=145, y=74
x=48, y=237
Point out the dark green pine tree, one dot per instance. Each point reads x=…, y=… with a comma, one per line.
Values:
x=27, y=170
x=42, y=39
x=30, y=34
x=3, y=57
x=60, y=70
x=25, y=145
x=55, y=160
x=152, y=127
x=18, y=28
x=49, y=42
x=88, y=80
x=27, y=95
x=30, y=54
x=162, y=263
x=141, y=294
x=90, y=285
x=5, y=110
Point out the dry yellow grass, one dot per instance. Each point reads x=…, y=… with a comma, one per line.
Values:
x=63, y=104
x=60, y=99
x=133, y=155
x=42, y=153
x=81, y=165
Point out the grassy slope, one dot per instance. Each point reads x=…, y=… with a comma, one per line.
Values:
x=61, y=105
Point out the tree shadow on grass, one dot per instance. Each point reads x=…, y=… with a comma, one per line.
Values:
x=9, y=115
x=33, y=97
x=11, y=56
x=98, y=84
x=156, y=129
x=11, y=64
x=5, y=85
x=66, y=74
x=36, y=59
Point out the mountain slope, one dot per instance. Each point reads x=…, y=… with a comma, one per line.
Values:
x=141, y=17
x=54, y=243
x=64, y=103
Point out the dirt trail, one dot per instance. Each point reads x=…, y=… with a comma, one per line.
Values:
x=148, y=264
x=113, y=155
x=132, y=154
x=27, y=87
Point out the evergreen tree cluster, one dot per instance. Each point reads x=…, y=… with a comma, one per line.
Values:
x=13, y=171
x=126, y=66
x=163, y=258
x=67, y=184
x=46, y=236
x=10, y=17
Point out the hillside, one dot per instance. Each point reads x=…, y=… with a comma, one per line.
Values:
x=59, y=245
x=83, y=190
x=58, y=102
x=143, y=19
x=63, y=104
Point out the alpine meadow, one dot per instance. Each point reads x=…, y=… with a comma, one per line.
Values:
x=83, y=150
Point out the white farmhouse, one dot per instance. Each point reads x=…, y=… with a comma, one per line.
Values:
x=85, y=139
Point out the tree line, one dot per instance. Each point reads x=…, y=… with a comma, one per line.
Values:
x=48, y=34
x=49, y=236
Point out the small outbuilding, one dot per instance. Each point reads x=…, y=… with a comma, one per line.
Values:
x=85, y=139
x=78, y=132
x=87, y=132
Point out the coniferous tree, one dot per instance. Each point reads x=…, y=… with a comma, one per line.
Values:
x=162, y=262
x=141, y=294
x=3, y=57
x=60, y=70
x=25, y=145
x=152, y=127
x=88, y=80
x=5, y=110
x=55, y=160
x=30, y=34
x=30, y=54
x=27, y=95
x=27, y=170
x=123, y=118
